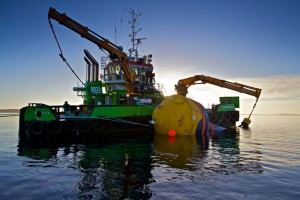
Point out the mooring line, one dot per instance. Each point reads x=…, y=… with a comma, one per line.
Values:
x=123, y=121
x=9, y=115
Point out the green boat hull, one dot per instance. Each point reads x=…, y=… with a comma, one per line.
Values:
x=39, y=120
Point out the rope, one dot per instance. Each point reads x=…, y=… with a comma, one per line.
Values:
x=243, y=124
x=123, y=121
x=147, y=106
x=221, y=118
x=253, y=108
x=64, y=59
x=9, y=115
x=51, y=26
x=61, y=52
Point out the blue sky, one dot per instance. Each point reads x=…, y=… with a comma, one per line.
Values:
x=251, y=42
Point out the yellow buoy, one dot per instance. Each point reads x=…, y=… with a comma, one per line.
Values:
x=182, y=115
x=245, y=123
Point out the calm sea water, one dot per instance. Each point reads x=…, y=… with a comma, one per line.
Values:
x=260, y=163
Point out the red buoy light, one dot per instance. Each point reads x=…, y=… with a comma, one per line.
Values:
x=172, y=133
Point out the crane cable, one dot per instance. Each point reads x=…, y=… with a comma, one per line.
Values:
x=61, y=53
x=65, y=60
x=253, y=108
x=245, y=123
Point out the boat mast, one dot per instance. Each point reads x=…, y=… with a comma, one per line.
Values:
x=133, y=52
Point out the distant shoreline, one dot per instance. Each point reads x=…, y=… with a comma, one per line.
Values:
x=18, y=110
x=9, y=110
x=279, y=114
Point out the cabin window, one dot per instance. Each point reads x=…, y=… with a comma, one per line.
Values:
x=136, y=71
x=104, y=90
x=118, y=72
x=111, y=72
x=38, y=114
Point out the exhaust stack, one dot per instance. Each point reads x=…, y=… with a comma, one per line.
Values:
x=88, y=69
x=94, y=73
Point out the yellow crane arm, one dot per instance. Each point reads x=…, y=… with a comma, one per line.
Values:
x=183, y=85
x=114, y=51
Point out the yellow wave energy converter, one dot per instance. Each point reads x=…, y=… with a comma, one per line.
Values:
x=181, y=115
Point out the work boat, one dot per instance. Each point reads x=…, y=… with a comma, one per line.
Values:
x=122, y=97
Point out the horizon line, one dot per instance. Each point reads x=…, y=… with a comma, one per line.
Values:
x=18, y=110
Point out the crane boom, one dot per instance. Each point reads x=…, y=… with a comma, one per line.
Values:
x=114, y=51
x=183, y=85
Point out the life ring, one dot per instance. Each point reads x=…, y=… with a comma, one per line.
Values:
x=227, y=116
x=70, y=126
x=54, y=127
x=235, y=116
x=37, y=127
x=98, y=125
x=214, y=118
x=85, y=126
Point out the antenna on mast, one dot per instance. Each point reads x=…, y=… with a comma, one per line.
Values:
x=135, y=41
x=115, y=22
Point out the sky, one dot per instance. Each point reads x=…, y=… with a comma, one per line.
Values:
x=255, y=42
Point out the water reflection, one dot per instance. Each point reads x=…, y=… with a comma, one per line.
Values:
x=177, y=152
x=111, y=168
x=119, y=168
x=223, y=155
x=229, y=158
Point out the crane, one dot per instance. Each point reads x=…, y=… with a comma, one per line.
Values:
x=183, y=85
x=115, y=52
